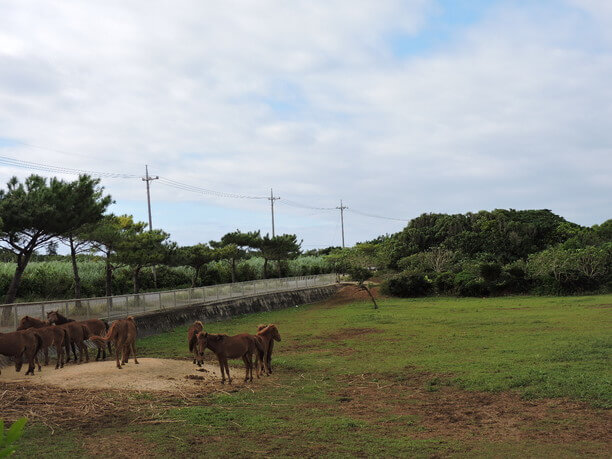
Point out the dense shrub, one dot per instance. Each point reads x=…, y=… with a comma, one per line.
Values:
x=444, y=283
x=408, y=284
x=469, y=284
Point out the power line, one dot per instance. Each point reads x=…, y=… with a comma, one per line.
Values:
x=205, y=191
x=304, y=206
x=41, y=167
x=358, y=212
x=60, y=170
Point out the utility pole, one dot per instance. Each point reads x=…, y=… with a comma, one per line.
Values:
x=272, y=198
x=147, y=178
x=342, y=219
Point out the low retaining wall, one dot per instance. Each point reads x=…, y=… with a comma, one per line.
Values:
x=159, y=321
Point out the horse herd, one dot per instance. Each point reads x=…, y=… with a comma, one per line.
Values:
x=34, y=335
x=242, y=346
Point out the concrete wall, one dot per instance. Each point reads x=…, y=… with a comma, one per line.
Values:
x=159, y=321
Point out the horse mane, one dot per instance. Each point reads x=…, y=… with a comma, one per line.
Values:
x=265, y=329
x=61, y=319
x=199, y=322
x=261, y=327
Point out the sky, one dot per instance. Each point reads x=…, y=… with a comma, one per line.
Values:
x=394, y=107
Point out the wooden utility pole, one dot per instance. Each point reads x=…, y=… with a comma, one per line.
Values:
x=148, y=178
x=272, y=198
x=342, y=219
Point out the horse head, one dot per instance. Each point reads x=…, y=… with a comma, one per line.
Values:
x=52, y=317
x=275, y=334
x=201, y=343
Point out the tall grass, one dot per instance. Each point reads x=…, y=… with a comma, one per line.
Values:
x=54, y=279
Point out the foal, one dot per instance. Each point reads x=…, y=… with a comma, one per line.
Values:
x=231, y=347
x=192, y=339
x=268, y=334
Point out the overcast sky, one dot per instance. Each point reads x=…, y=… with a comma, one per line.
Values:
x=396, y=107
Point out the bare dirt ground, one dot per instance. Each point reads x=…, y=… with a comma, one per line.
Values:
x=463, y=415
x=150, y=375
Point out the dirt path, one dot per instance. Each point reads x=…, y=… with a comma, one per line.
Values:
x=150, y=375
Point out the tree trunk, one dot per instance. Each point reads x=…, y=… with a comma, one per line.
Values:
x=136, y=278
x=11, y=294
x=109, y=276
x=233, y=270
x=265, y=268
x=75, y=271
x=195, y=276
x=371, y=296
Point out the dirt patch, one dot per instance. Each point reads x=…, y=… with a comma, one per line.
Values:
x=351, y=293
x=350, y=333
x=152, y=375
x=117, y=445
x=601, y=306
x=97, y=395
x=446, y=411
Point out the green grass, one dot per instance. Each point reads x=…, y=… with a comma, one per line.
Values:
x=537, y=347
x=541, y=347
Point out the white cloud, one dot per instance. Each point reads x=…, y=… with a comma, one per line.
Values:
x=308, y=98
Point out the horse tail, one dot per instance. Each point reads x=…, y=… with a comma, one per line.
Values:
x=108, y=344
x=85, y=331
x=39, y=343
x=100, y=340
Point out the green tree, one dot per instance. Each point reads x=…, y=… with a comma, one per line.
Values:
x=235, y=246
x=106, y=237
x=36, y=211
x=140, y=249
x=197, y=256
x=278, y=248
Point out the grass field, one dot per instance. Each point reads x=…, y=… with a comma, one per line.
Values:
x=437, y=376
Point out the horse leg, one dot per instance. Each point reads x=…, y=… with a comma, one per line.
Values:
x=126, y=353
x=36, y=362
x=46, y=356
x=229, y=378
x=73, y=346
x=269, y=361
x=222, y=368
x=83, y=349
x=60, y=355
x=133, y=346
x=245, y=359
x=117, y=348
x=31, y=358
x=67, y=349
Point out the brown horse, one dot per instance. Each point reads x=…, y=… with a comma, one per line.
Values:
x=77, y=334
x=231, y=347
x=51, y=336
x=192, y=338
x=268, y=334
x=94, y=327
x=20, y=344
x=123, y=334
